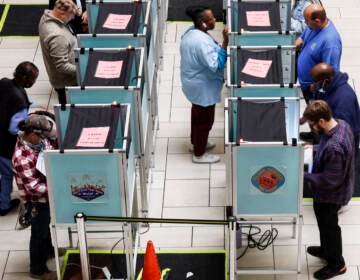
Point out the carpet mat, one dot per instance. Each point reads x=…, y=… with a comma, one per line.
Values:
x=176, y=10
x=20, y=20
x=200, y=264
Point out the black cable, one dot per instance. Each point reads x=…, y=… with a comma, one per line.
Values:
x=266, y=239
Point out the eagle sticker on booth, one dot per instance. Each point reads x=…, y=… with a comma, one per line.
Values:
x=268, y=179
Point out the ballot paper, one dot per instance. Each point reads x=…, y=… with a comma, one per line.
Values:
x=308, y=157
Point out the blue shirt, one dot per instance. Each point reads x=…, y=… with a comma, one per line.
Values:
x=322, y=45
x=202, y=65
x=332, y=178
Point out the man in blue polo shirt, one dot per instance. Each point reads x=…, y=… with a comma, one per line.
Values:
x=320, y=42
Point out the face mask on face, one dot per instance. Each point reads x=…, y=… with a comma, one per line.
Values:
x=321, y=86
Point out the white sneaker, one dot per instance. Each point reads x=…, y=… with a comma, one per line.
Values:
x=209, y=146
x=206, y=158
x=343, y=209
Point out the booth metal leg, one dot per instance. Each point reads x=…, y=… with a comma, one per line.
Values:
x=84, y=256
x=232, y=250
x=130, y=267
x=300, y=221
x=56, y=246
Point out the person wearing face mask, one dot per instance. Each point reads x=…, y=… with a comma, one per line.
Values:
x=14, y=107
x=202, y=77
x=332, y=184
x=320, y=42
x=58, y=41
x=333, y=87
x=33, y=189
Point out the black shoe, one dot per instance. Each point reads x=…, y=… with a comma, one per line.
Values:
x=328, y=272
x=13, y=204
x=315, y=251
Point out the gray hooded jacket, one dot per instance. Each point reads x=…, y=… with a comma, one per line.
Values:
x=57, y=45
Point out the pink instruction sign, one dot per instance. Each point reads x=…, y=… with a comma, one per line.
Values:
x=93, y=136
x=108, y=69
x=258, y=18
x=116, y=21
x=257, y=68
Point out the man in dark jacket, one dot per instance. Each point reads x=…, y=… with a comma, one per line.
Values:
x=14, y=106
x=332, y=184
x=333, y=87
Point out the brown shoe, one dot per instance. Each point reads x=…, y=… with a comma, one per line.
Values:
x=50, y=275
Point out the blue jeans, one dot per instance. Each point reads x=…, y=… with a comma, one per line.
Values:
x=40, y=239
x=6, y=182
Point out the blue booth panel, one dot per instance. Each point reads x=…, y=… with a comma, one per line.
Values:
x=265, y=91
x=89, y=183
x=262, y=39
x=266, y=179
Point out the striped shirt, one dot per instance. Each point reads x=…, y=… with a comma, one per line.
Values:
x=30, y=181
x=332, y=178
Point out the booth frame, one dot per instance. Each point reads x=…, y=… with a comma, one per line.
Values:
x=145, y=132
x=129, y=201
x=153, y=51
x=293, y=218
x=287, y=54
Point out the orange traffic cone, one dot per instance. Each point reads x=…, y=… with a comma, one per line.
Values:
x=151, y=268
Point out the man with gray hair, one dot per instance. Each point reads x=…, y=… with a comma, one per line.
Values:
x=58, y=42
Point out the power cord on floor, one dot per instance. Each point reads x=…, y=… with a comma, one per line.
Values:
x=266, y=239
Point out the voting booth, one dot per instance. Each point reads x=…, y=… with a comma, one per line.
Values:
x=259, y=22
x=93, y=171
x=121, y=70
x=260, y=65
x=118, y=24
x=264, y=163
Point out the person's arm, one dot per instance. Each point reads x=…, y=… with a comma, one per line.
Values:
x=333, y=172
x=25, y=169
x=222, y=52
x=59, y=53
x=15, y=119
x=298, y=43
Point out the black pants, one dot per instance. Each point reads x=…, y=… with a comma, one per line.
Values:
x=61, y=95
x=330, y=233
x=202, y=120
x=307, y=94
x=40, y=239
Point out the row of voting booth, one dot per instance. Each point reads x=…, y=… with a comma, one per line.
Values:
x=264, y=158
x=106, y=130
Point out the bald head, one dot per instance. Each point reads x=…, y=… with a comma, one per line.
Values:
x=315, y=16
x=322, y=71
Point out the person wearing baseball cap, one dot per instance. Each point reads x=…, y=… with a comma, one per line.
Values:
x=33, y=190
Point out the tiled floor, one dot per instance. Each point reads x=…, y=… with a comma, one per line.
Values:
x=181, y=189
